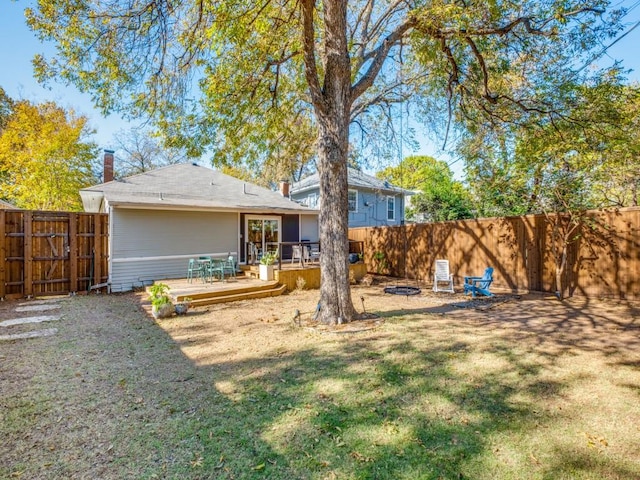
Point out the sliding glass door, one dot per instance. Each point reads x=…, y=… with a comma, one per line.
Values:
x=263, y=232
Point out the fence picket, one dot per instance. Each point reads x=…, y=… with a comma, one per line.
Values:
x=604, y=260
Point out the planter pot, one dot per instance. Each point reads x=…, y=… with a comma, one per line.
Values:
x=163, y=311
x=266, y=272
x=182, y=308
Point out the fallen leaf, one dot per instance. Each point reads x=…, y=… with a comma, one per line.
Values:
x=220, y=463
x=258, y=467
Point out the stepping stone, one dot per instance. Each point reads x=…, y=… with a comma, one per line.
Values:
x=37, y=308
x=35, y=334
x=40, y=302
x=22, y=321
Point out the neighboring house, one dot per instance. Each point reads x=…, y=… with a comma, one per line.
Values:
x=160, y=219
x=7, y=206
x=372, y=202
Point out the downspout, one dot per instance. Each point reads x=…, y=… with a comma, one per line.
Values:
x=109, y=240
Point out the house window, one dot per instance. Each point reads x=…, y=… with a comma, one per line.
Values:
x=312, y=200
x=353, y=200
x=391, y=208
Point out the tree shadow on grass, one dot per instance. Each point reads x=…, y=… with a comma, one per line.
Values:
x=398, y=409
x=395, y=404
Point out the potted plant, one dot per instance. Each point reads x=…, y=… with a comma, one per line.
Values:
x=182, y=307
x=161, y=304
x=266, y=265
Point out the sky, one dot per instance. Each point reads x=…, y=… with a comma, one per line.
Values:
x=18, y=45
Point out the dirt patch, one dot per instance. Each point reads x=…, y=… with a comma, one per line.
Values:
x=251, y=389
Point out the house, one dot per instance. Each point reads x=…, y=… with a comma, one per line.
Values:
x=160, y=219
x=372, y=202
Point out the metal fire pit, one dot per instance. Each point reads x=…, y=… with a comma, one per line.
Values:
x=402, y=290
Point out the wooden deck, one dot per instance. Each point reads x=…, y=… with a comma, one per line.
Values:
x=201, y=294
x=245, y=287
x=180, y=287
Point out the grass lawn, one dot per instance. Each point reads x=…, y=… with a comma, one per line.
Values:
x=530, y=389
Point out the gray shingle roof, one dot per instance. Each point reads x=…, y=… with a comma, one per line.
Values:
x=356, y=179
x=189, y=186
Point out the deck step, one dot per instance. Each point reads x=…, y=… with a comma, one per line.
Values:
x=226, y=292
x=267, y=289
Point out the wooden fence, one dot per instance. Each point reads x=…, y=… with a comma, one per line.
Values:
x=51, y=253
x=602, y=261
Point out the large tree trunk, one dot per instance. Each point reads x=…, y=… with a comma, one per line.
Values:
x=332, y=104
x=336, y=305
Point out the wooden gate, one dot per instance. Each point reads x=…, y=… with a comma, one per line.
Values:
x=51, y=253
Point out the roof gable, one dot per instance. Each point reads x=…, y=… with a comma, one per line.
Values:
x=356, y=179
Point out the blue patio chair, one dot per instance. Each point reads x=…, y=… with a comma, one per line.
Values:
x=479, y=285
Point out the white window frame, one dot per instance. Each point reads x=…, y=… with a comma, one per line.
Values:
x=262, y=218
x=391, y=199
x=355, y=210
x=312, y=200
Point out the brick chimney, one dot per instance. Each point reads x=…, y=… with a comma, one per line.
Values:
x=107, y=175
x=284, y=188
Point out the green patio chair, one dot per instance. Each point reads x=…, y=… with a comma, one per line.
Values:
x=216, y=269
x=205, y=268
x=194, y=270
x=229, y=267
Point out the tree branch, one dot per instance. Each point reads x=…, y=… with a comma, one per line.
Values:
x=382, y=97
x=526, y=21
x=379, y=56
x=483, y=67
x=311, y=70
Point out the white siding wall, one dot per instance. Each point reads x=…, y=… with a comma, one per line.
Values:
x=309, y=228
x=149, y=245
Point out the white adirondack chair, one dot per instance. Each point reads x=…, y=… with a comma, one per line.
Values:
x=442, y=276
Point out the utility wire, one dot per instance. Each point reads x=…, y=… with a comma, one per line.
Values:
x=604, y=50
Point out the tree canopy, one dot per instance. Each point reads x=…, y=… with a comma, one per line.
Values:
x=6, y=107
x=588, y=158
x=439, y=197
x=45, y=158
x=267, y=71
